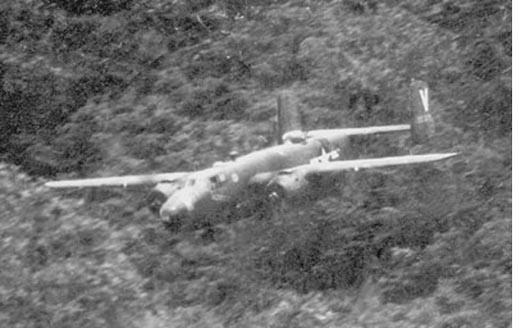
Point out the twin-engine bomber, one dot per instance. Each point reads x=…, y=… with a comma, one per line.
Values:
x=302, y=162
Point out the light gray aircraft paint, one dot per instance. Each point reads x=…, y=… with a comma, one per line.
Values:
x=288, y=169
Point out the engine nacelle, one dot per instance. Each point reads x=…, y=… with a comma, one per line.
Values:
x=302, y=185
x=288, y=184
x=160, y=194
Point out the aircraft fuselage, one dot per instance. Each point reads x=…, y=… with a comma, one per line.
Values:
x=206, y=192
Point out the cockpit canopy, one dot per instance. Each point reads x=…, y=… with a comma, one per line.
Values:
x=217, y=180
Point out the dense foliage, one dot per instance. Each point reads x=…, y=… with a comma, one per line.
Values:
x=93, y=87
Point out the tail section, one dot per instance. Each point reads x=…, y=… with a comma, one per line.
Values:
x=288, y=117
x=423, y=126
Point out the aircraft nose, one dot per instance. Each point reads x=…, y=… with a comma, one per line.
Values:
x=181, y=207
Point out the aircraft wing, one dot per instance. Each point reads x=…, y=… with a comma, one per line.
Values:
x=122, y=181
x=357, y=164
x=330, y=133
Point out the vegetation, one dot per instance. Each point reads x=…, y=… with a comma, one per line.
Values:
x=104, y=87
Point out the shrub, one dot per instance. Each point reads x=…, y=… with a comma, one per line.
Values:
x=216, y=101
x=91, y=7
x=73, y=36
x=418, y=281
x=282, y=72
x=86, y=86
x=146, y=146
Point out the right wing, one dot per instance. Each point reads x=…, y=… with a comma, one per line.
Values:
x=122, y=181
x=357, y=164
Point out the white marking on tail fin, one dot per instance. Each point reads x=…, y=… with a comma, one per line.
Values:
x=424, y=98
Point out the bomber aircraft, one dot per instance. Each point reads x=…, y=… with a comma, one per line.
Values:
x=301, y=162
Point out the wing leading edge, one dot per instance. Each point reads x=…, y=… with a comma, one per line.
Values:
x=122, y=181
x=371, y=163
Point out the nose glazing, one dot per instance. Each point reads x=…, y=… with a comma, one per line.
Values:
x=168, y=212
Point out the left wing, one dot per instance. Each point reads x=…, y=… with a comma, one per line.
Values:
x=357, y=164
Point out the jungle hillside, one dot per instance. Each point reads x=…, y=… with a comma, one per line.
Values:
x=112, y=87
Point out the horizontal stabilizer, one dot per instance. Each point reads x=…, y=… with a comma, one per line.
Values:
x=335, y=133
x=373, y=162
x=122, y=181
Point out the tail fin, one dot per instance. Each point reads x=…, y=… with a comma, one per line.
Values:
x=288, y=117
x=423, y=126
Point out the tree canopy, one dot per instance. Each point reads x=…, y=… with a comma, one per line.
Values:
x=105, y=87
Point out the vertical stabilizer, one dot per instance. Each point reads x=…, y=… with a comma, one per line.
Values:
x=423, y=126
x=288, y=117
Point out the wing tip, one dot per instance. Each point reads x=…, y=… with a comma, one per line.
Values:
x=432, y=157
x=448, y=155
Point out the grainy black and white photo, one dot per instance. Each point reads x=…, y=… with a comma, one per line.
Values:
x=256, y=163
